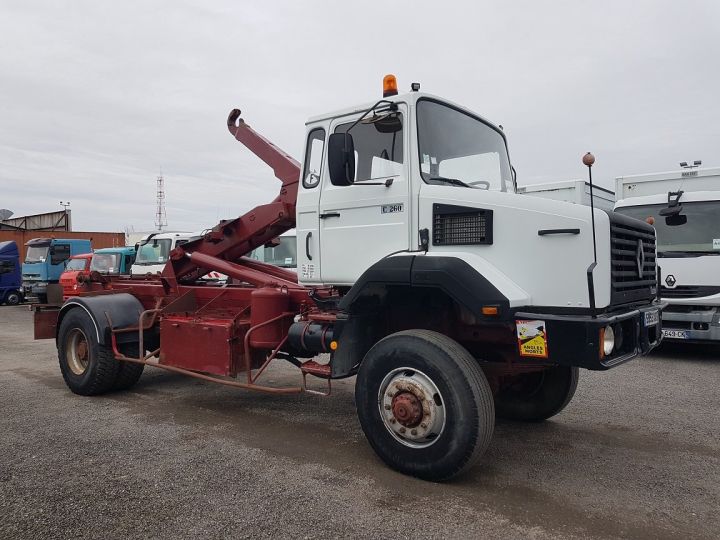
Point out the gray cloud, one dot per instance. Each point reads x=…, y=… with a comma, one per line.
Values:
x=96, y=97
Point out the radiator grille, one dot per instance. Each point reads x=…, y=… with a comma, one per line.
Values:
x=461, y=225
x=689, y=291
x=632, y=255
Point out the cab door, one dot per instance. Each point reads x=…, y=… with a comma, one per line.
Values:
x=361, y=223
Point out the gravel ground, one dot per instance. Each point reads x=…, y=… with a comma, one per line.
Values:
x=636, y=454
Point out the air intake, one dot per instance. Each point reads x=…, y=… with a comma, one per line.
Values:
x=461, y=225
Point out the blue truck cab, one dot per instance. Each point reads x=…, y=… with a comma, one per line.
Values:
x=113, y=261
x=45, y=260
x=10, y=277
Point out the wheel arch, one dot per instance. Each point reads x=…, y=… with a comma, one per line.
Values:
x=448, y=280
x=123, y=309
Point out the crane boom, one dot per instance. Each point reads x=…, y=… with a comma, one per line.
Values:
x=228, y=241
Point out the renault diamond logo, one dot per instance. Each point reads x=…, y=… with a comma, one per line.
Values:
x=670, y=280
x=640, y=258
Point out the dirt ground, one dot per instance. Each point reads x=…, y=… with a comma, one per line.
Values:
x=635, y=455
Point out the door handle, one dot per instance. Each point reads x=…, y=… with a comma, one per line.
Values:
x=307, y=246
x=329, y=214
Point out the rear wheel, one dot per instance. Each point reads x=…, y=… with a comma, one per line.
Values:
x=88, y=367
x=533, y=397
x=424, y=404
x=13, y=298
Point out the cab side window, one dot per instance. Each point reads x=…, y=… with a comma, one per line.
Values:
x=59, y=253
x=378, y=147
x=313, y=158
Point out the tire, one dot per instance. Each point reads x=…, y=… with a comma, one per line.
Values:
x=128, y=372
x=13, y=298
x=88, y=367
x=534, y=397
x=455, y=410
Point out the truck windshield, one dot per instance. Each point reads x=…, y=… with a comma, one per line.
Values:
x=154, y=252
x=459, y=149
x=75, y=265
x=284, y=254
x=105, y=263
x=36, y=254
x=700, y=234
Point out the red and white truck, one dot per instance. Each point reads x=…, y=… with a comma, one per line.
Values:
x=420, y=271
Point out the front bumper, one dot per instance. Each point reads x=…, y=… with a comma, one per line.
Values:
x=575, y=340
x=692, y=323
x=32, y=288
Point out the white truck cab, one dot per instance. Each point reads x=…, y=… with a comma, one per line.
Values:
x=282, y=254
x=683, y=206
x=154, y=249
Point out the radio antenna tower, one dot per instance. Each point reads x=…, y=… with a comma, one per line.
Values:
x=160, y=215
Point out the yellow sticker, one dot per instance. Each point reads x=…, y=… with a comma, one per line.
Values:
x=532, y=338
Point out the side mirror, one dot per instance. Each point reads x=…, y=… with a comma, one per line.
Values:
x=675, y=220
x=341, y=159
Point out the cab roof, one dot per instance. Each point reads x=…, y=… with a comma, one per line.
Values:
x=125, y=250
x=409, y=97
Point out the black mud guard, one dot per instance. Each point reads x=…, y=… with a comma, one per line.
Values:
x=123, y=308
x=455, y=277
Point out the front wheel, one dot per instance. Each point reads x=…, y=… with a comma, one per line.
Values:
x=13, y=298
x=534, y=397
x=424, y=404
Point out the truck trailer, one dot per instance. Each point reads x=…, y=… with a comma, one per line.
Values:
x=411, y=277
x=684, y=207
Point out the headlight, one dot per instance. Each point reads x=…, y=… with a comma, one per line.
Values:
x=608, y=340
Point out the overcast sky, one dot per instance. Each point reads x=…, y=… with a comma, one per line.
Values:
x=97, y=96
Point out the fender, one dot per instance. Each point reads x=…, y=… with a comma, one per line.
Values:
x=124, y=310
x=454, y=276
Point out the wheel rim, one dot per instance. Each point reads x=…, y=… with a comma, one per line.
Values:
x=77, y=351
x=411, y=407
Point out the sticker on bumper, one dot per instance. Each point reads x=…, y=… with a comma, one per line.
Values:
x=532, y=338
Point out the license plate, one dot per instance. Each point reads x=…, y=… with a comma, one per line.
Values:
x=652, y=317
x=674, y=334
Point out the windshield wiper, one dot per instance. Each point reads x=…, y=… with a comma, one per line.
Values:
x=451, y=181
x=693, y=253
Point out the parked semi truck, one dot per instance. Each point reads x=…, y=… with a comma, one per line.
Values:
x=281, y=251
x=684, y=207
x=115, y=261
x=77, y=265
x=153, y=251
x=45, y=261
x=574, y=191
x=11, y=292
x=411, y=275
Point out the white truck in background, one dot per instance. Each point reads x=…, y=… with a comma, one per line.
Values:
x=282, y=254
x=684, y=207
x=154, y=249
x=574, y=191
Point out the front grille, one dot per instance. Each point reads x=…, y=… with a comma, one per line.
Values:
x=632, y=260
x=689, y=291
x=461, y=225
x=681, y=308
